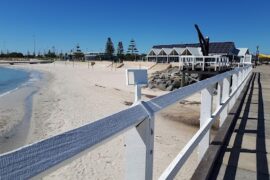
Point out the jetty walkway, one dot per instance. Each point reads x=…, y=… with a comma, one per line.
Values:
x=241, y=148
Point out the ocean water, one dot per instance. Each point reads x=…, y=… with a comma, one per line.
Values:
x=17, y=88
x=11, y=79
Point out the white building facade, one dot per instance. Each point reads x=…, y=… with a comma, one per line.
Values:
x=167, y=55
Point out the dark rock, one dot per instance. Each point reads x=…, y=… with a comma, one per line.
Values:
x=167, y=75
x=194, y=75
x=162, y=76
x=161, y=86
x=158, y=81
x=156, y=76
x=168, y=79
x=176, y=74
x=176, y=83
x=173, y=70
x=152, y=79
x=168, y=83
x=169, y=88
x=151, y=86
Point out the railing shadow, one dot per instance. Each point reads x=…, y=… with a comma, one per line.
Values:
x=236, y=150
x=261, y=155
x=231, y=168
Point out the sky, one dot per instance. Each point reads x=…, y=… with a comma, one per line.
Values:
x=65, y=23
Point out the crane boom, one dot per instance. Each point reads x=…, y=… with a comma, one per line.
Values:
x=204, y=42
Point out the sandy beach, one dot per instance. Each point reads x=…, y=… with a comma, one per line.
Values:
x=16, y=112
x=74, y=95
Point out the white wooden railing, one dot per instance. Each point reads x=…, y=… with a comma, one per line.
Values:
x=216, y=62
x=138, y=122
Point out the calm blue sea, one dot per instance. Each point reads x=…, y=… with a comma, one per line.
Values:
x=10, y=79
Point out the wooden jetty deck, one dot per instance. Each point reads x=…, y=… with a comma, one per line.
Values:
x=241, y=147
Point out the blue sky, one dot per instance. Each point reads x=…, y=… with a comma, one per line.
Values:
x=64, y=23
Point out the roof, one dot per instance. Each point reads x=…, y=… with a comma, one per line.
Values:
x=155, y=50
x=195, y=51
x=167, y=50
x=214, y=47
x=243, y=51
x=179, y=50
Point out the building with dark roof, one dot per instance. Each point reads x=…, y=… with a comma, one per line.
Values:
x=221, y=48
x=171, y=53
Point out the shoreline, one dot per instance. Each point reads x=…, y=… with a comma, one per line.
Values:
x=14, y=86
x=16, y=111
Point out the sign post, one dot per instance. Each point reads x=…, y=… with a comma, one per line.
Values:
x=138, y=78
x=140, y=139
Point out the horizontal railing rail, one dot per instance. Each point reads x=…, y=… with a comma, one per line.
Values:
x=49, y=154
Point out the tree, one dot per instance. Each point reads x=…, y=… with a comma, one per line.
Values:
x=16, y=55
x=132, y=49
x=78, y=54
x=11, y=55
x=2, y=54
x=39, y=55
x=50, y=54
x=120, y=50
x=61, y=55
x=109, y=49
x=28, y=54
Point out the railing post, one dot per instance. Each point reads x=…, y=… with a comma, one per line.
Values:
x=205, y=115
x=215, y=63
x=234, y=87
x=193, y=63
x=225, y=96
x=140, y=148
x=245, y=74
x=222, y=63
x=138, y=93
x=219, y=59
x=203, y=63
x=238, y=84
x=219, y=94
x=180, y=64
x=250, y=69
x=240, y=75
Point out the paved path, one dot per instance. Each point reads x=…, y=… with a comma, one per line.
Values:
x=247, y=153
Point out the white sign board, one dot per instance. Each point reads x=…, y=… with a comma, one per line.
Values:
x=136, y=77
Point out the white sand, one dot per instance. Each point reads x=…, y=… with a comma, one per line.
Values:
x=77, y=95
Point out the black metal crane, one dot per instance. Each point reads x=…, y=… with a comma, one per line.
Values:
x=204, y=42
